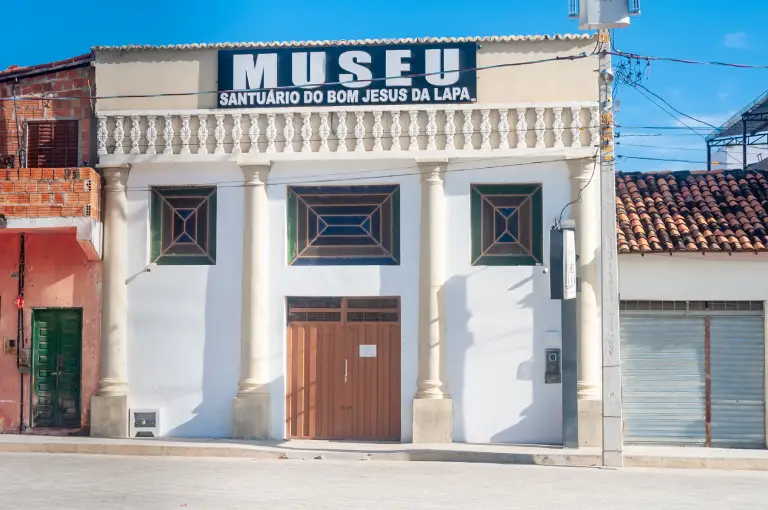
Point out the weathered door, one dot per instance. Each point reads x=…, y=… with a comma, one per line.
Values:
x=343, y=368
x=57, y=344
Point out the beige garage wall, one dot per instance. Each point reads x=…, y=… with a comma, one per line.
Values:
x=145, y=72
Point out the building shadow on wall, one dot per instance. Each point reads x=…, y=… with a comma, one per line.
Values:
x=533, y=369
x=462, y=341
x=212, y=418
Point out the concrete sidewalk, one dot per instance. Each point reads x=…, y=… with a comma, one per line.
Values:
x=655, y=457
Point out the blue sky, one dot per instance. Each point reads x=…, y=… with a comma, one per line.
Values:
x=700, y=30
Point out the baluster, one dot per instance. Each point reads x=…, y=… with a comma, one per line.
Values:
x=237, y=133
x=119, y=134
x=360, y=131
x=431, y=130
x=186, y=134
x=594, y=126
x=576, y=126
x=135, y=134
x=450, y=130
x=288, y=132
x=503, y=129
x=202, y=134
x=341, y=131
x=151, y=134
x=219, y=133
x=558, y=127
x=306, y=132
x=468, y=130
x=540, y=128
x=271, y=132
x=101, y=136
x=253, y=133
x=521, y=129
x=378, y=131
x=325, y=132
x=413, y=130
x=168, y=134
x=395, y=130
x=485, y=129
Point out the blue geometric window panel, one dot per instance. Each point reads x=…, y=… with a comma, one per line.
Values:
x=507, y=224
x=183, y=226
x=344, y=225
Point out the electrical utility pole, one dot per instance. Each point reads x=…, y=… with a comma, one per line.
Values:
x=603, y=15
x=613, y=437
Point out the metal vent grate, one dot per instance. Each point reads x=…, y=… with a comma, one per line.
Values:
x=372, y=303
x=701, y=308
x=314, y=317
x=653, y=305
x=372, y=317
x=314, y=302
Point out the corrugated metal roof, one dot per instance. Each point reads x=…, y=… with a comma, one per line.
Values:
x=48, y=67
x=342, y=42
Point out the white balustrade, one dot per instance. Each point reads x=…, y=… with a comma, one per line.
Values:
x=433, y=128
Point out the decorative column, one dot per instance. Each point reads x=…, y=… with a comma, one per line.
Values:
x=252, y=403
x=432, y=408
x=109, y=407
x=586, y=180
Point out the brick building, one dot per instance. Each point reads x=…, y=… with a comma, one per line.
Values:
x=50, y=247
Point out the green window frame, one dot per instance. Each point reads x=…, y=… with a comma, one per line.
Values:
x=183, y=225
x=507, y=224
x=344, y=225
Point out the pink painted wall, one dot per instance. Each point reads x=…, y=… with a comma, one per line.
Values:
x=57, y=275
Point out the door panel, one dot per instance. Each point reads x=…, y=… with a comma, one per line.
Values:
x=44, y=338
x=663, y=380
x=69, y=356
x=331, y=391
x=57, y=343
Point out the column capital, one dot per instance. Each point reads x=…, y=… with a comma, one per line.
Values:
x=583, y=169
x=116, y=176
x=256, y=174
x=432, y=170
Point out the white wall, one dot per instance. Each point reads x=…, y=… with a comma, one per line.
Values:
x=735, y=156
x=497, y=318
x=694, y=277
x=184, y=321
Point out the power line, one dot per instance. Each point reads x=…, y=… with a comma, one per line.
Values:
x=640, y=91
x=576, y=200
x=658, y=147
x=348, y=176
x=304, y=87
x=665, y=135
x=653, y=127
x=666, y=160
x=685, y=61
x=672, y=107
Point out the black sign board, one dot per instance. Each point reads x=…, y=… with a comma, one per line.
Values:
x=352, y=75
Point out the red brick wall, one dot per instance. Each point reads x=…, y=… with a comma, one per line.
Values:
x=77, y=82
x=45, y=192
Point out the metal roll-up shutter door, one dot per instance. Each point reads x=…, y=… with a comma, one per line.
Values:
x=737, y=356
x=663, y=379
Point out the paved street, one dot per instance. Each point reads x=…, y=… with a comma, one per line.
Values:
x=85, y=482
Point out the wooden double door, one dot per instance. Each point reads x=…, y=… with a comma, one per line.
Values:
x=343, y=368
x=56, y=366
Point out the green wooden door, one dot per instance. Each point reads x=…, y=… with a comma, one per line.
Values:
x=57, y=343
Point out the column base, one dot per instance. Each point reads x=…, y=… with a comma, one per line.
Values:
x=251, y=420
x=432, y=420
x=109, y=416
x=590, y=423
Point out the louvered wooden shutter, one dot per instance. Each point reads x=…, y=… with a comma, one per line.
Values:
x=52, y=144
